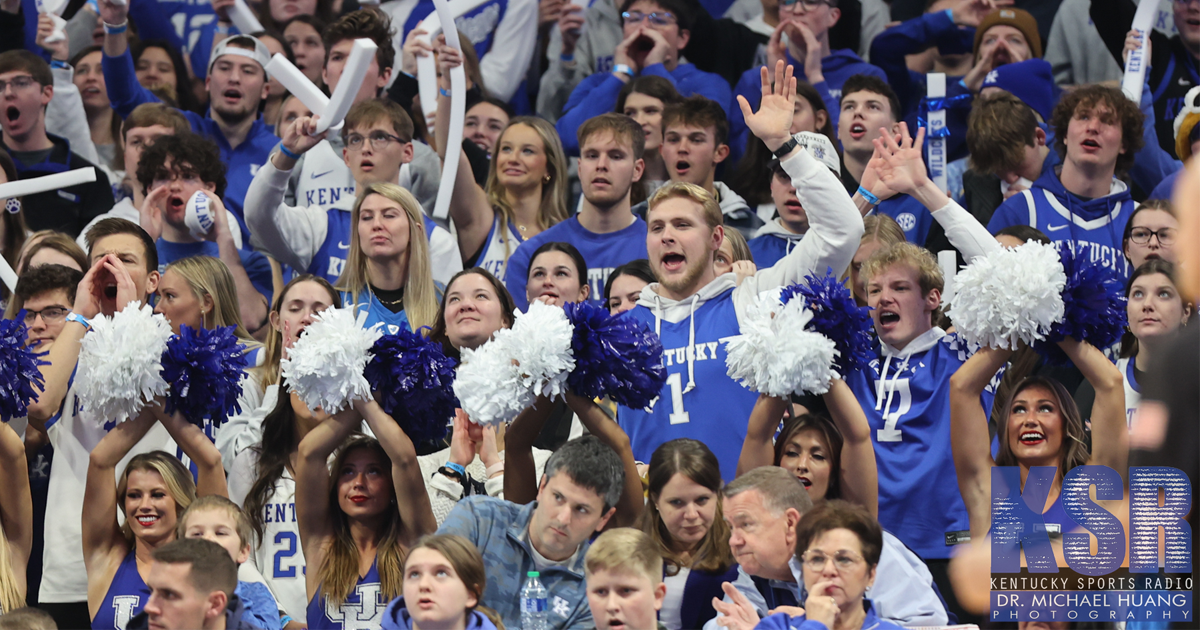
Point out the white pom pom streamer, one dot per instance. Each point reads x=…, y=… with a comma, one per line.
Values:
x=1008, y=296
x=501, y=378
x=325, y=366
x=541, y=347
x=120, y=363
x=774, y=355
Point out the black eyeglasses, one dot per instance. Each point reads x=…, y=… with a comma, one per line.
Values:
x=809, y=5
x=18, y=83
x=379, y=140
x=50, y=315
x=657, y=18
x=1141, y=236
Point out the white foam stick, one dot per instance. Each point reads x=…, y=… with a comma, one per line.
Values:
x=46, y=183
x=8, y=276
x=295, y=82
x=352, y=77
x=948, y=261
x=244, y=19
x=458, y=110
x=53, y=8
x=936, y=147
x=1136, y=63
x=426, y=66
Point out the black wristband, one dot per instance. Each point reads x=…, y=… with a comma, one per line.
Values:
x=787, y=147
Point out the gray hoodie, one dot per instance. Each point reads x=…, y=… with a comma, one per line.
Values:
x=602, y=32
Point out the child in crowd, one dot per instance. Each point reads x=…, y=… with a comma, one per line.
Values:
x=625, y=589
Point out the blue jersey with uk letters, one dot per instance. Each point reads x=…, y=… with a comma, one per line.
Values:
x=601, y=252
x=705, y=405
x=125, y=598
x=907, y=403
x=330, y=260
x=362, y=610
x=376, y=312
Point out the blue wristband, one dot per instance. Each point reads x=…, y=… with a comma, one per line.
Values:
x=444, y=92
x=283, y=621
x=462, y=471
x=866, y=194
x=59, y=65
x=76, y=317
x=284, y=150
x=116, y=29
x=567, y=58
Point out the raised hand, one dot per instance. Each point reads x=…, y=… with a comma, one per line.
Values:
x=298, y=137
x=800, y=35
x=570, y=26
x=621, y=54
x=45, y=26
x=820, y=605
x=738, y=614
x=414, y=46
x=901, y=167
x=150, y=215
x=971, y=12
x=112, y=13
x=660, y=51
x=1133, y=41
x=772, y=123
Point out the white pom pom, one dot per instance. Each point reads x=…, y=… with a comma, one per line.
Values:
x=1008, y=296
x=501, y=378
x=774, y=355
x=120, y=363
x=325, y=366
x=541, y=346
x=488, y=384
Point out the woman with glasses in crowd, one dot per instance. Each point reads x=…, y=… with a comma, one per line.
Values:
x=1150, y=233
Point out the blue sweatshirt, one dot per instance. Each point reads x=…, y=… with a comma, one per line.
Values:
x=1070, y=221
x=837, y=66
x=597, y=94
x=397, y=617
x=241, y=162
x=889, y=48
x=781, y=621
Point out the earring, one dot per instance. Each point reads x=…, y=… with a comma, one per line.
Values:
x=546, y=179
x=13, y=205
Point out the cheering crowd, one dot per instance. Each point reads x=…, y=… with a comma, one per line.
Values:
x=671, y=162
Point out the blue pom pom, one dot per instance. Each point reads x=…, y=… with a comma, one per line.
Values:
x=204, y=371
x=19, y=374
x=1093, y=307
x=837, y=316
x=413, y=381
x=615, y=357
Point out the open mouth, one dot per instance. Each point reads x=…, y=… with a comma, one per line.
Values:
x=1090, y=144
x=793, y=204
x=887, y=318
x=232, y=95
x=858, y=130
x=175, y=202
x=682, y=167
x=110, y=291
x=425, y=603
x=616, y=624
x=514, y=172
x=805, y=481
x=13, y=113
x=600, y=181
x=147, y=520
x=673, y=262
x=1030, y=438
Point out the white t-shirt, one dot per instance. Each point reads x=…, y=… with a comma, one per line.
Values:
x=670, y=615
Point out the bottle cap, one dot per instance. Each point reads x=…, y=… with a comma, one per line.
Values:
x=532, y=574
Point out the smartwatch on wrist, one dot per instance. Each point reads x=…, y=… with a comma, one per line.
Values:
x=786, y=148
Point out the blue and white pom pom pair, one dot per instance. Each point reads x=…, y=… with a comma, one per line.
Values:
x=800, y=338
x=1037, y=294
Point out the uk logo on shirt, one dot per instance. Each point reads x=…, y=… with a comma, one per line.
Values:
x=561, y=607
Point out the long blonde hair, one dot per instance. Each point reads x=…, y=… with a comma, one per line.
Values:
x=554, y=192
x=420, y=295
x=177, y=479
x=339, y=570
x=10, y=596
x=209, y=276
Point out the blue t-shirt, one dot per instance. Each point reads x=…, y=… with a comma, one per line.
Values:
x=362, y=609
x=700, y=400
x=768, y=249
x=601, y=252
x=377, y=313
x=914, y=218
x=256, y=265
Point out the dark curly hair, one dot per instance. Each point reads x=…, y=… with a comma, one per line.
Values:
x=197, y=152
x=369, y=23
x=1124, y=111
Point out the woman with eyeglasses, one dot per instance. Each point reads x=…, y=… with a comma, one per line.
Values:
x=654, y=33
x=1150, y=233
x=838, y=544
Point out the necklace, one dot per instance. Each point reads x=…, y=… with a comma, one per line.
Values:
x=522, y=228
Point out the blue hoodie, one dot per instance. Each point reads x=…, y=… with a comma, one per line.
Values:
x=1097, y=224
x=889, y=48
x=597, y=94
x=837, y=66
x=781, y=621
x=396, y=617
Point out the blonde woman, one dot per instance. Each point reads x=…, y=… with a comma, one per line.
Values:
x=16, y=520
x=387, y=270
x=154, y=489
x=526, y=188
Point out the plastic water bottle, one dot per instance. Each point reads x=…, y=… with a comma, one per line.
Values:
x=533, y=603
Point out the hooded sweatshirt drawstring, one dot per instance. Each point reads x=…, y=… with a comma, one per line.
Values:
x=691, y=347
